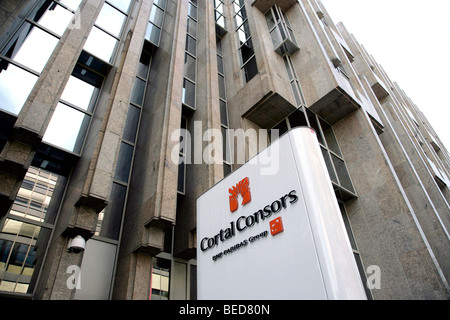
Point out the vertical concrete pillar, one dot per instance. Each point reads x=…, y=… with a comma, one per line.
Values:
x=383, y=221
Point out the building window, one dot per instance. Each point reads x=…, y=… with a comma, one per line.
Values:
x=156, y=21
x=280, y=29
x=293, y=80
x=183, y=154
x=227, y=168
x=160, y=279
x=246, y=53
x=71, y=119
x=356, y=253
x=110, y=219
x=190, y=58
x=27, y=228
x=220, y=18
x=105, y=35
x=334, y=161
x=25, y=55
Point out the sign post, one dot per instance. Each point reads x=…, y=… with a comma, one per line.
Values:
x=277, y=235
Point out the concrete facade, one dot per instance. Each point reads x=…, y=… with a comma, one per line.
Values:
x=135, y=207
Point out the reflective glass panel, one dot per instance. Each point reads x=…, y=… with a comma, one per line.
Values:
x=192, y=27
x=192, y=11
x=188, y=96
x=189, y=67
x=131, y=124
x=223, y=113
x=31, y=47
x=160, y=3
x=222, y=87
x=137, y=96
x=124, y=162
x=112, y=217
x=250, y=69
x=110, y=20
x=67, y=128
x=121, y=4
x=329, y=137
x=181, y=169
x=157, y=16
x=52, y=16
x=152, y=34
x=15, y=86
x=100, y=44
x=342, y=173
x=330, y=169
x=20, y=254
x=72, y=4
x=191, y=45
x=78, y=93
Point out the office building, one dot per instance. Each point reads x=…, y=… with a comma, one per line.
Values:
x=93, y=94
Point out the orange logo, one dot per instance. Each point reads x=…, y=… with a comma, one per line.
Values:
x=243, y=189
x=276, y=226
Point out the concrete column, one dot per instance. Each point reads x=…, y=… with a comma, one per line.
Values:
x=383, y=221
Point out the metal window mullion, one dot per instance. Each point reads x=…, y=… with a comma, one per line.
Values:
x=89, y=113
x=37, y=25
x=107, y=32
x=21, y=66
x=112, y=5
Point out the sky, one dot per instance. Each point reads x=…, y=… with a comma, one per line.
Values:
x=410, y=39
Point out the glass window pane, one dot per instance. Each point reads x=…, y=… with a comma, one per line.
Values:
x=342, y=173
x=153, y=34
x=78, y=93
x=181, y=173
x=157, y=16
x=131, y=124
x=100, y=44
x=226, y=145
x=329, y=137
x=220, y=64
x=15, y=86
x=223, y=113
x=110, y=20
x=124, y=162
x=313, y=123
x=160, y=3
x=188, y=96
x=121, y=4
x=222, y=94
x=270, y=20
x=112, y=218
x=191, y=45
x=246, y=51
x=137, y=96
x=143, y=65
x=330, y=169
x=72, y=4
x=250, y=69
x=189, y=67
x=192, y=11
x=20, y=258
x=192, y=27
x=31, y=47
x=67, y=128
x=52, y=16
x=226, y=169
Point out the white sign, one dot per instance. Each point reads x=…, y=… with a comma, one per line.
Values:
x=277, y=236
